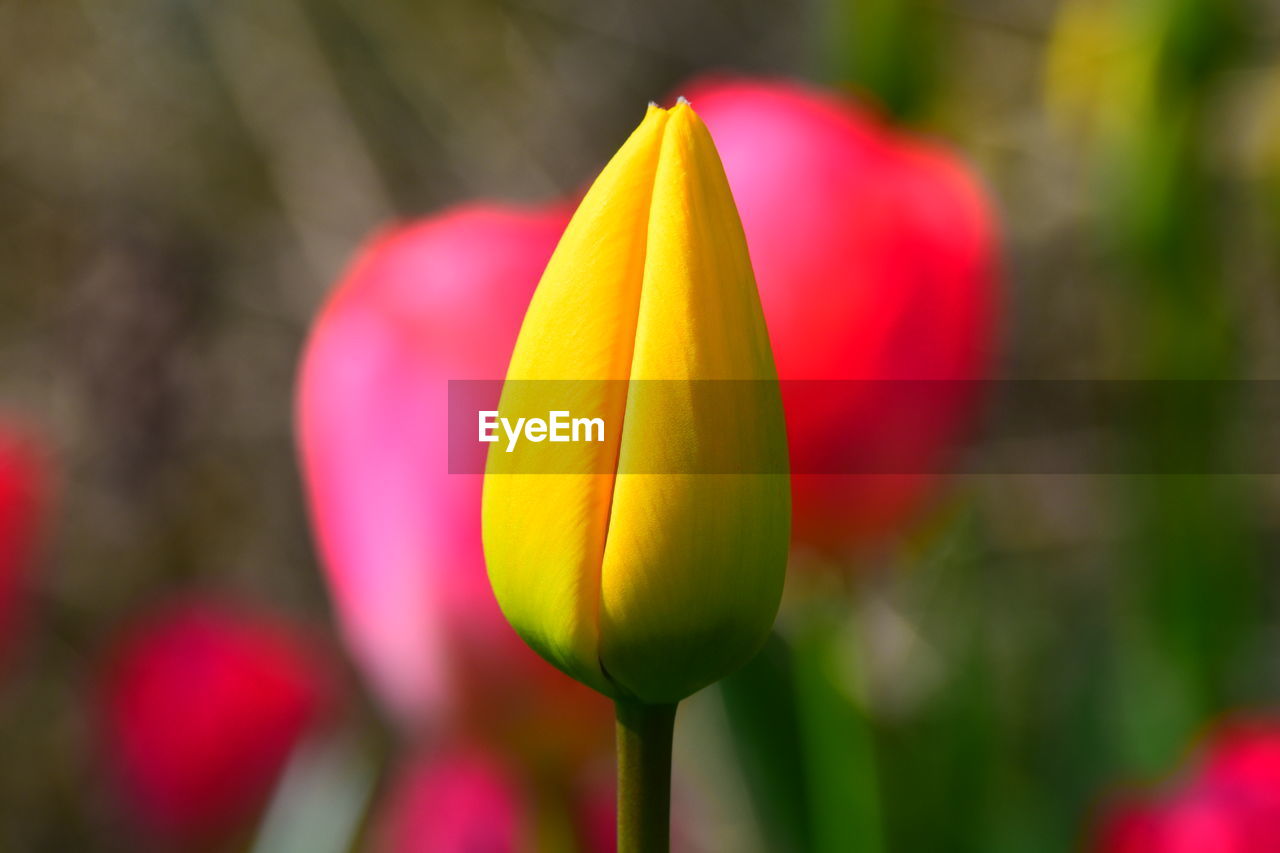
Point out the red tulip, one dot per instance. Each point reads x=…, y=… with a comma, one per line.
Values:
x=874, y=252
x=23, y=488
x=202, y=705
x=1243, y=758
x=399, y=535
x=1185, y=824
x=455, y=802
x=1231, y=803
x=464, y=798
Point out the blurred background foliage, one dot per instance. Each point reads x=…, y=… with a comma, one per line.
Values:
x=182, y=180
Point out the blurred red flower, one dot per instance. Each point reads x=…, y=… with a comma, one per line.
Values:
x=457, y=801
x=1229, y=804
x=875, y=255
x=23, y=494
x=1188, y=823
x=399, y=536
x=1243, y=758
x=465, y=799
x=202, y=704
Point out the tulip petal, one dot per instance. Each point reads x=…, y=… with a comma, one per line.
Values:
x=633, y=567
x=580, y=326
x=693, y=555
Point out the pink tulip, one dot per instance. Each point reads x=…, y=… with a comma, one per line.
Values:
x=202, y=705
x=1243, y=758
x=23, y=489
x=1230, y=803
x=1184, y=824
x=399, y=535
x=465, y=799
x=458, y=801
x=874, y=252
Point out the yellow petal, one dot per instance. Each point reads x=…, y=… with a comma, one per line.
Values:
x=544, y=533
x=693, y=565
x=646, y=585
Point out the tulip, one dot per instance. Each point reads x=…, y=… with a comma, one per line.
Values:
x=457, y=801
x=874, y=251
x=646, y=586
x=1243, y=756
x=398, y=535
x=201, y=706
x=23, y=490
x=1229, y=804
x=1186, y=824
x=463, y=797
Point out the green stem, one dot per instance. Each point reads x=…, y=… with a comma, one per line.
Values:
x=644, y=776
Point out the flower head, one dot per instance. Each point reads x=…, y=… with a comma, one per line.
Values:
x=629, y=569
x=1229, y=802
x=399, y=536
x=202, y=705
x=875, y=253
x=23, y=494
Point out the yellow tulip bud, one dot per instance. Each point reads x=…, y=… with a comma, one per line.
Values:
x=636, y=566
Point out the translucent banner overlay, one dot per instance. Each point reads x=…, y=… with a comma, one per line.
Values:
x=851, y=427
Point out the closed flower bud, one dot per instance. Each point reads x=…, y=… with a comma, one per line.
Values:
x=627, y=566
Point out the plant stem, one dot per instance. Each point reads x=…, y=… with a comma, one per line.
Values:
x=644, y=776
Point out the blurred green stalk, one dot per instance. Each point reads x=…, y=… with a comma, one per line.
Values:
x=844, y=804
x=886, y=50
x=805, y=743
x=1192, y=584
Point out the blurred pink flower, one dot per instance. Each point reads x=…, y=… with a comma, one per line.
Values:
x=1187, y=823
x=1229, y=804
x=23, y=493
x=467, y=799
x=875, y=255
x=1243, y=758
x=458, y=801
x=399, y=536
x=202, y=704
